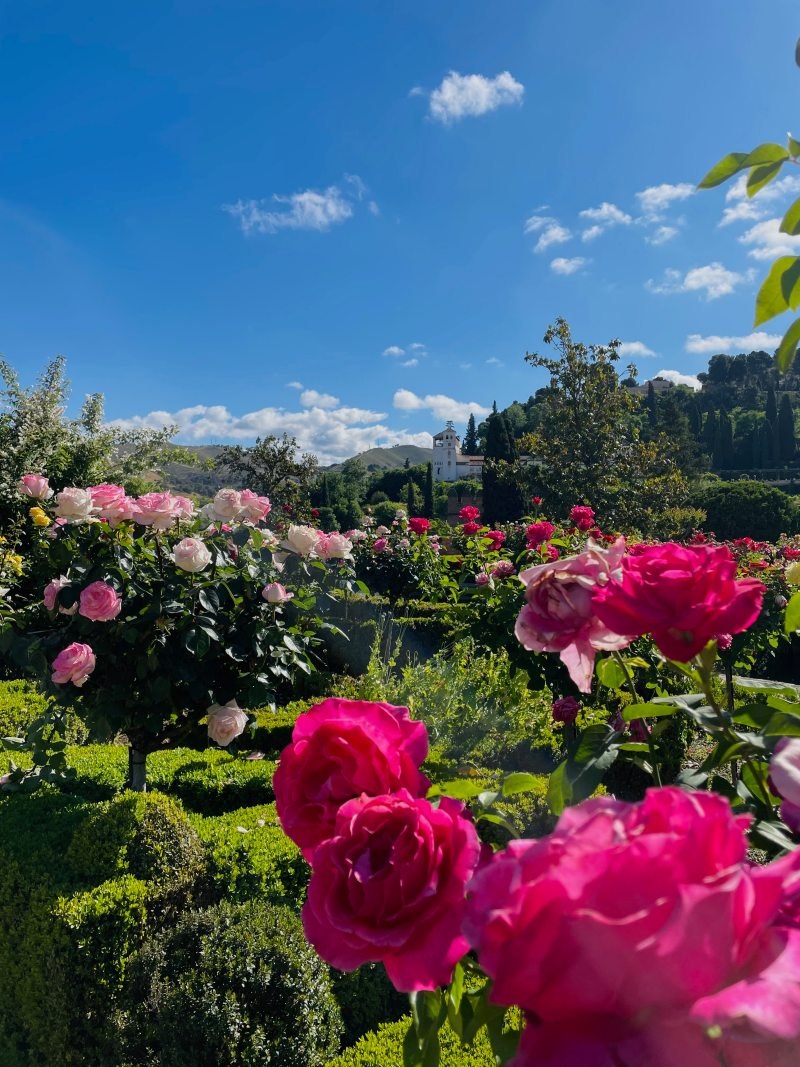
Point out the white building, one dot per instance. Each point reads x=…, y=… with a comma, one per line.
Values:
x=449, y=462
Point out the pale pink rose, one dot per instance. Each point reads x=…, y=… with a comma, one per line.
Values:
x=191, y=555
x=99, y=602
x=503, y=569
x=73, y=664
x=226, y=504
x=269, y=540
x=382, y=531
x=51, y=592
x=558, y=615
x=110, y=502
x=74, y=505
x=404, y=543
x=184, y=508
x=301, y=539
x=159, y=510
x=274, y=593
x=254, y=508
x=482, y=578
x=225, y=722
x=380, y=545
x=784, y=773
x=5, y=778
x=333, y=546
x=36, y=486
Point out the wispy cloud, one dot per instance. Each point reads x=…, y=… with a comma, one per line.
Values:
x=295, y=385
x=750, y=342
x=394, y=350
x=662, y=234
x=767, y=242
x=410, y=363
x=679, y=378
x=460, y=96
x=310, y=398
x=311, y=209
x=742, y=209
x=712, y=280
x=560, y=265
x=550, y=231
x=493, y=361
x=443, y=407
x=604, y=217
x=656, y=199
x=635, y=348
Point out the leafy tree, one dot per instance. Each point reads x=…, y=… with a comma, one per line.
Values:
x=272, y=467
x=786, y=429
x=502, y=500
x=748, y=509
x=723, y=443
x=652, y=405
x=710, y=432
x=772, y=406
x=411, y=498
x=427, y=505
x=470, y=444
x=673, y=424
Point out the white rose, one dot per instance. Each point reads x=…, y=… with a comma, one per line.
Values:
x=301, y=539
x=191, y=555
x=74, y=505
x=227, y=504
x=225, y=722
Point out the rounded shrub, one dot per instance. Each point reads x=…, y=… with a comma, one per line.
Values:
x=367, y=999
x=234, y=985
x=748, y=509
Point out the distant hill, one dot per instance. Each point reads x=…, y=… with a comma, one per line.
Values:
x=386, y=459
x=185, y=478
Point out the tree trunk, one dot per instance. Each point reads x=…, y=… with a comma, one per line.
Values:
x=137, y=770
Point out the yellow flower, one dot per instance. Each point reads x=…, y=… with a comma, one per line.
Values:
x=40, y=518
x=14, y=563
x=792, y=573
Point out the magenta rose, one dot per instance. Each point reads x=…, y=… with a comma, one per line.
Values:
x=389, y=886
x=341, y=749
x=36, y=486
x=469, y=513
x=565, y=710
x=539, y=532
x=73, y=664
x=419, y=526
x=380, y=545
x=647, y=924
x=684, y=595
x=497, y=537
x=582, y=516
x=559, y=616
x=99, y=602
x=471, y=528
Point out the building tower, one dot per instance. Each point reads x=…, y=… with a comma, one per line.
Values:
x=446, y=452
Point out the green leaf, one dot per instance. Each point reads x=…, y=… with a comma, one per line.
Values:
x=459, y=789
x=291, y=644
x=755, y=715
x=761, y=176
x=794, y=146
x=780, y=289
x=520, y=782
x=647, y=711
x=791, y=620
x=610, y=673
x=726, y=168
x=791, y=220
x=769, y=152
x=773, y=833
x=787, y=349
x=209, y=600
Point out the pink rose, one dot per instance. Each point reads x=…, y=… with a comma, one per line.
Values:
x=226, y=505
x=389, y=887
x=497, y=537
x=341, y=749
x=226, y=722
x=333, y=546
x=469, y=514
x=254, y=508
x=471, y=528
x=636, y=926
x=683, y=595
x=380, y=544
x=482, y=578
x=784, y=773
x=99, y=602
x=36, y=486
x=558, y=614
x=73, y=664
x=582, y=517
x=419, y=526
x=110, y=502
x=539, y=532
x=50, y=595
x=274, y=593
x=159, y=510
x=191, y=555
x=565, y=709
x=74, y=505
x=504, y=568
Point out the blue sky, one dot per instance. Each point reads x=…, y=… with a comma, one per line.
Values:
x=349, y=220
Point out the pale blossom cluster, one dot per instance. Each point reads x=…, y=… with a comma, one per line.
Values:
x=237, y=505
x=310, y=543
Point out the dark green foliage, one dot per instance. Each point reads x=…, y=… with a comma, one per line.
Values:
x=273, y=467
x=772, y=406
x=234, y=985
x=747, y=509
x=427, y=504
x=786, y=429
x=367, y=999
x=469, y=446
x=652, y=405
x=21, y=703
x=723, y=444
x=710, y=431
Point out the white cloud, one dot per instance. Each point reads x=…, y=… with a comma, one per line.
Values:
x=678, y=378
x=493, y=361
x=604, y=217
x=635, y=348
x=418, y=346
x=592, y=232
x=568, y=266
x=332, y=434
x=295, y=385
x=308, y=210
x=743, y=209
x=463, y=95
x=394, y=350
x=768, y=242
x=662, y=234
x=443, y=407
x=751, y=342
x=654, y=200
x=550, y=231
x=713, y=280
x=310, y=398
x=410, y=363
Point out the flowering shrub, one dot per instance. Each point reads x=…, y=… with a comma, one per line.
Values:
x=156, y=617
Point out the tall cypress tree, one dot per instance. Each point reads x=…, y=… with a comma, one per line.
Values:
x=710, y=431
x=788, y=443
x=652, y=405
x=724, y=446
x=765, y=450
x=695, y=417
x=502, y=500
x=411, y=501
x=427, y=507
x=772, y=406
x=470, y=445
x=325, y=497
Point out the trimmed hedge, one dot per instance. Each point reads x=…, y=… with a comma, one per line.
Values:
x=231, y=985
x=21, y=703
x=384, y=1048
